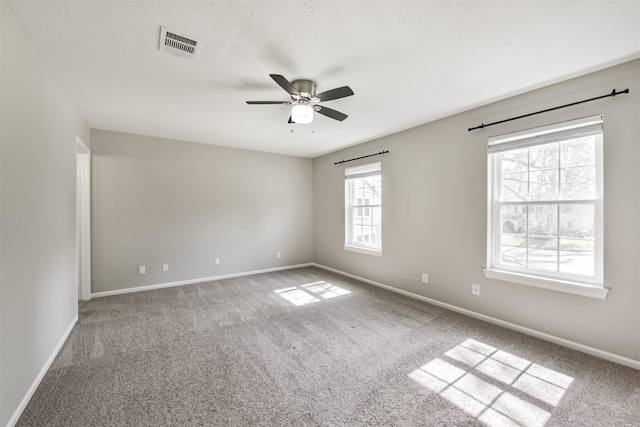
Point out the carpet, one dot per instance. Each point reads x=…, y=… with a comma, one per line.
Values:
x=306, y=347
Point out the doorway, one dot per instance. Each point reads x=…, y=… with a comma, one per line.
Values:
x=83, y=219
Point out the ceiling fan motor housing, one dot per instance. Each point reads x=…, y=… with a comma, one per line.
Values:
x=306, y=89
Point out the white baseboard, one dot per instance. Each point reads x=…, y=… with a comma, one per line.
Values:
x=612, y=357
x=192, y=281
x=34, y=386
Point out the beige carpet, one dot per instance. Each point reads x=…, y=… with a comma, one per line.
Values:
x=309, y=348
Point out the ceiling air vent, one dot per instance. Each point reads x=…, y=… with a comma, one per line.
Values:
x=178, y=44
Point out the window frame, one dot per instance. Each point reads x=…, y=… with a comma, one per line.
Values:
x=352, y=174
x=585, y=285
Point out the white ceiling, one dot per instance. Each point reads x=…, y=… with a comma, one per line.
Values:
x=408, y=62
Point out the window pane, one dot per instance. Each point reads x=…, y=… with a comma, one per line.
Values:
x=543, y=161
x=515, y=161
x=513, y=238
x=515, y=187
x=367, y=189
x=359, y=189
x=544, y=185
x=376, y=190
x=376, y=222
x=578, y=152
x=359, y=233
x=543, y=237
x=577, y=239
x=578, y=170
x=578, y=183
x=366, y=233
x=543, y=156
x=577, y=221
x=356, y=227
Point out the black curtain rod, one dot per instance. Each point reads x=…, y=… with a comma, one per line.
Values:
x=613, y=93
x=362, y=157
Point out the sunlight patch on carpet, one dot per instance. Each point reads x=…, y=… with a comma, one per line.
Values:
x=325, y=290
x=296, y=296
x=491, y=404
x=306, y=294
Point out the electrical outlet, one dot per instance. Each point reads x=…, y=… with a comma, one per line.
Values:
x=278, y=254
x=165, y=267
x=142, y=269
x=475, y=289
x=216, y=261
x=425, y=278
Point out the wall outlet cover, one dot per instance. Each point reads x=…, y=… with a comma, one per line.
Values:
x=475, y=289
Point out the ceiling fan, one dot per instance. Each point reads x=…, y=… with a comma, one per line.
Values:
x=304, y=99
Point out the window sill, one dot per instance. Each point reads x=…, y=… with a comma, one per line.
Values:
x=545, y=283
x=362, y=250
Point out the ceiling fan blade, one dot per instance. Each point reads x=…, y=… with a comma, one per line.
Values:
x=267, y=102
x=337, y=115
x=337, y=93
x=284, y=84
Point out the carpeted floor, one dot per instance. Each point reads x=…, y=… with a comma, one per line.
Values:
x=306, y=347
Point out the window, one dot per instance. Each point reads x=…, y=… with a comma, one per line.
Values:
x=363, y=209
x=545, y=207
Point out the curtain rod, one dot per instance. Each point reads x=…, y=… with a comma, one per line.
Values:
x=613, y=93
x=362, y=157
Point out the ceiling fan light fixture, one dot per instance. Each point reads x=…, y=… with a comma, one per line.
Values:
x=302, y=114
x=304, y=99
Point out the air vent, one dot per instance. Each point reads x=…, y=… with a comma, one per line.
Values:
x=177, y=43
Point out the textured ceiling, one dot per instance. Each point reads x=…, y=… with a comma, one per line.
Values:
x=408, y=62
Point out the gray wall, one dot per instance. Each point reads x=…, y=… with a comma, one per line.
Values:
x=158, y=201
x=38, y=279
x=435, y=214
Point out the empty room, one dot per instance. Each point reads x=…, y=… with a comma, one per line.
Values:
x=319, y=213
